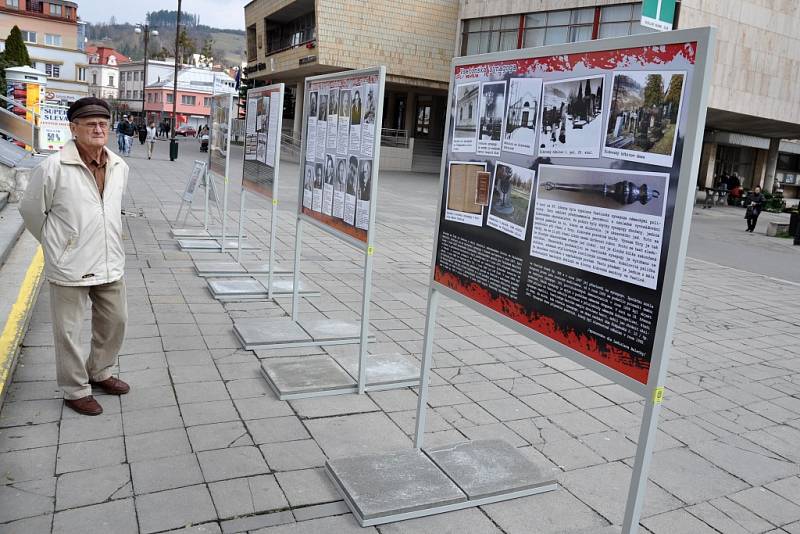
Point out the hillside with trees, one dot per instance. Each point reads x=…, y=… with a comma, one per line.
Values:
x=225, y=46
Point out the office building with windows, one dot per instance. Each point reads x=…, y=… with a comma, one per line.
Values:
x=288, y=41
x=132, y=83
x=55, y=42
x=195, y=88
x=754, y=103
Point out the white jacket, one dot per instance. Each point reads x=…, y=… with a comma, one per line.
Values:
x=81, y=233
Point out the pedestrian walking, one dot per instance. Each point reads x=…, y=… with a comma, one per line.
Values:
x=755, y=203
x=142, y=129
x=151, y=138
x=72, y=207
x=121, y=134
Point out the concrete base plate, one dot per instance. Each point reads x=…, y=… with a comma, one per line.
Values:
x=283, y=332
x=488, y=467
x=384, y=369
x=381, y=485
x=331, y=329
x=213, y=244
x=305, y=375
x=233, y=269
x=273, y=333
x=393, y=487
x=197, y=232
x=252, y=289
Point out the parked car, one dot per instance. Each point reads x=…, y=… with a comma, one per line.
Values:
x=186, y=131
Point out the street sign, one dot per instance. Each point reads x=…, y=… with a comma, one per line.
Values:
x=658, y=14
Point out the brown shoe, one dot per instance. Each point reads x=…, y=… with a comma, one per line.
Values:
x=112, y=386
x=85, y=405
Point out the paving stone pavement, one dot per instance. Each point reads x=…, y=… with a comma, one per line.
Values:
x=200, y=445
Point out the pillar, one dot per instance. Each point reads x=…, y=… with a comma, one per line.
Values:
x=411, y=113
x=772, y=165
x=708, y=159
x=297, y=127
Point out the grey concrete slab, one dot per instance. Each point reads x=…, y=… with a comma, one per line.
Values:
x=266, y=333
x=234, y=269
x=331, y=329
x=489, y=467
x=214, y=244
x=304, y=375
x=383, y=369
x=381, y=485
x=253, y=289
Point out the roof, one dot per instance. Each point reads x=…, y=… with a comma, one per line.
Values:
x=105, y=55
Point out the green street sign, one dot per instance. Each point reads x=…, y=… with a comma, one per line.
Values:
x=658, y=14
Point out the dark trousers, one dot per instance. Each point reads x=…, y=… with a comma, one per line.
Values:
x=751, y=223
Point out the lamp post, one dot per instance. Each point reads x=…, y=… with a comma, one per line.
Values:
x=145, y=29
x=173, y=144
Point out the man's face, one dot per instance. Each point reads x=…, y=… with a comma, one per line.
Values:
x=90, y=131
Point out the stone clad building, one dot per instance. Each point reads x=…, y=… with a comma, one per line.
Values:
x=754, y=103
x=288, y=40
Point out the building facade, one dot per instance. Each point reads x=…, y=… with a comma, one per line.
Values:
x=289, y=40
x=195, y=89
x=103, y=71
x=754, y=101
x=54, y=38
x=131, y=82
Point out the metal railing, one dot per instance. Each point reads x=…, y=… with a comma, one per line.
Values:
x=394, y=137
x=18, y=127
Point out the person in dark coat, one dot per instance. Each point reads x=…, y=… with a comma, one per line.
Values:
x=755, y=204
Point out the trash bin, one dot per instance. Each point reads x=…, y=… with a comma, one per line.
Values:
x=173, y=150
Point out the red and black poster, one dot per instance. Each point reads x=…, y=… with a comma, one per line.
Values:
x=559, y=194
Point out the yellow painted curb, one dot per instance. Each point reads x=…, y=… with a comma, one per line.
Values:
x=15, y=325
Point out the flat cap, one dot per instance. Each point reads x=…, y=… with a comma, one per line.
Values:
x=88, y=107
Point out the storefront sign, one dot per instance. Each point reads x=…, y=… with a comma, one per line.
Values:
x=658, y=14
x=53, y=127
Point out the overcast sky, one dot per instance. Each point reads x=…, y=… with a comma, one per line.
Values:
x=216, y=13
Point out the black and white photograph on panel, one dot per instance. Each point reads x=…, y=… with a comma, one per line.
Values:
x=343, y=143
x=338, y=187
x=463, y=193
x=512, y=189
x=355, y=119
x=327, y=187
x=308, y=186
x=465, y=133
x=333, y=119
x=251, y=127
x=322, y=124
x=571, y=123
x=370, y=92
x=350, y=191
x=311, y=127
x=643, y=116
x=316, y=201
x=363, y=193
x=492, y=108
x=606, y=221
x=524, y=95
x=262, y=113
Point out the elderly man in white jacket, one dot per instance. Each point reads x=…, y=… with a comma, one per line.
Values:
x=72, y=206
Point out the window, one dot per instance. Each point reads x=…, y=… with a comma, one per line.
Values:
x=169, y=98
x=558, y=27
x=12, y=3
x=52, y=39
x=81, y=74
x=251, y=43
x=136, y=76
x=55, y=9
x=189, y=100
x=29, y=37
x=283, y=35
x=490, y=34
x=94, y=78
x=616, y=21
x=111, y=81
x=207, y=102
x=52, y=70
x=128, y=94
x=149, y=97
